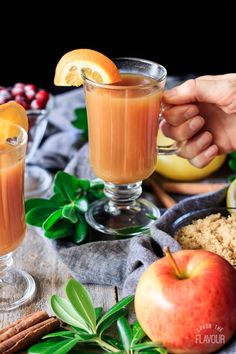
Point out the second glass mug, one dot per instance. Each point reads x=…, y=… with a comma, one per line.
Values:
x=123, y=120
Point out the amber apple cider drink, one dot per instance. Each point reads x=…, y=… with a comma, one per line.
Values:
x=17, y=286
x=12, y=216
x=123, y=120
x=123, y=125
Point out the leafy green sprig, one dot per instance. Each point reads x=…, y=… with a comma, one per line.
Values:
x=63, y=213
x=88, y=327
x=81, y=122
x=232, y=165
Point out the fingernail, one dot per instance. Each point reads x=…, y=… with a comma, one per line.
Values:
x=204, y=140
x=211, y=151
x=196, y=123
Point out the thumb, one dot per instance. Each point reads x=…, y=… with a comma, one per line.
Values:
x=220, y=90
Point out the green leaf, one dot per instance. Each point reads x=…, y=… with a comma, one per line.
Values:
x=52, y=219
x=154, y=351
x=145, y=345
x=64, y=310
x=87, y=349
x=66, y=185
x=59, y=200
x=81, y=121
x=61, y=347
x=61, y=228
x=81, y=229
x=231, y=178
x=38, y=215
x=69, y=212
x=84, y=184
x=232, y=164
x=82, y=204
x=96, y=184
x=138, y=333
x=125, y=333
x=119, y=305
x=95, y=194
x=161, y=350
x=98, y=311
x=38, y=203
x=149, y=345
x=233, y=155
x=110, y=320
x=59, y=334
x=82, y=302
x=113, y=341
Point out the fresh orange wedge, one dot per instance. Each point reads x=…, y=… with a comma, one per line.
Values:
x=94, y=65
x=13, y=112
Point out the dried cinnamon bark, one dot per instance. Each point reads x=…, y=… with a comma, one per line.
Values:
x=192, y=188
x=22, y=324
x=163, y=197
x=28, y=336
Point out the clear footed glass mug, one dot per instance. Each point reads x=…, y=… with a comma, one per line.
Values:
x=16, y=286
x=123, y=120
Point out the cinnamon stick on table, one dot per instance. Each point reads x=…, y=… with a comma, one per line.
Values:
x=192, y=188
x=26, y=331
x=161, y=195
x=21, y=324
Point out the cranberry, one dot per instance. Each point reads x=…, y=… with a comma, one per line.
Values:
x=30, y=94
x=35, y=104
x=19, y=84
x=29, y=87
x=21, y=100
x=5, y=95
x=42, y=96
x=17, y=91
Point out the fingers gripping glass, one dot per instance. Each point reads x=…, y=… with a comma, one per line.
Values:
x=123, y=125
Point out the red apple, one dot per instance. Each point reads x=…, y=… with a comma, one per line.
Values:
x=188, y=302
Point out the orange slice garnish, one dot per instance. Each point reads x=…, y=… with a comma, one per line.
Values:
x=14, y=113
x=95, y=66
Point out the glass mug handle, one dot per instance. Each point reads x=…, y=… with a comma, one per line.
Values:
x=171, y=149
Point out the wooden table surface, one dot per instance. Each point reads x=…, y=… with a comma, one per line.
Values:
x=36, y=257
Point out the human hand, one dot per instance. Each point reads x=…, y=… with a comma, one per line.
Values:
x=201, y=113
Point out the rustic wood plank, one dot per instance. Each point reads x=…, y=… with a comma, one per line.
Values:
x=40, y=260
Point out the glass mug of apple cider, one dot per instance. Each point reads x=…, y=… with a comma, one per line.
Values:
x=123, y=121
x=16, y=286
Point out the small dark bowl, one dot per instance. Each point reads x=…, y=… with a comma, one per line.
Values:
x=188, y=218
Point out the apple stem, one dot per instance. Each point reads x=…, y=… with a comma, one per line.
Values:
x=172, y=262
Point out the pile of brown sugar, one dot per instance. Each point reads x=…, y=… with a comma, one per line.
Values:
x=214, y=233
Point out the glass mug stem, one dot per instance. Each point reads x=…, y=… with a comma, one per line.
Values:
x=121, y=196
